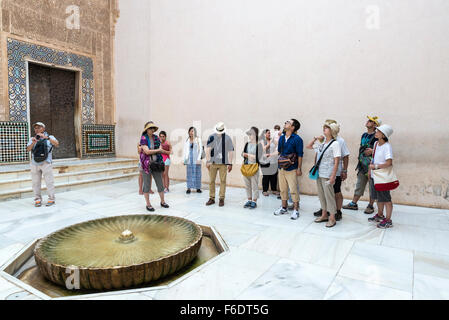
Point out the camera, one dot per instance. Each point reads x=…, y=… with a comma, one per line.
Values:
x=38, y=137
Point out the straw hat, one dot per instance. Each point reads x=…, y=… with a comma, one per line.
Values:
x=149, y=126
x=220, y=128
x=335, y=128
x=386, y=130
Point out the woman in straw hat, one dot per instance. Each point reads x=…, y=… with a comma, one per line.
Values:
x=330, y=153
x=151, y=153
x=382, y=158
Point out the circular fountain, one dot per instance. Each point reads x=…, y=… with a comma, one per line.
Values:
x=118, y=252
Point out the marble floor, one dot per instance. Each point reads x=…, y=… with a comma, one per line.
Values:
x=270, y=257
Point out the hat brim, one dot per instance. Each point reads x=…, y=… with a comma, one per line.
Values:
x=151, y=126
x=219, y=132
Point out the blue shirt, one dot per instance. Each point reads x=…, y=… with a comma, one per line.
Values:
x=294, y=144
x=50, y=149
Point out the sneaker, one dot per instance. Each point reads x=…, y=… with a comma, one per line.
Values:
x=199, y=191
x=351, y=206
x=50, y=203
x=376, y=218
x=295, y=215
x=221, y=203
x=384, y=224
x=369, y=210
x=280, y=211
x=318, y=213
x=253, y=205
x=37, y=203
x=338, y=215
x=188, y=191
x=210, y=202
x=247, y=204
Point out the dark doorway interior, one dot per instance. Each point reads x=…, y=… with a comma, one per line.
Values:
x=52, y=101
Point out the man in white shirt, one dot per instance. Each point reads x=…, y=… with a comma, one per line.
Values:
x=41, y=163
x=342, y=174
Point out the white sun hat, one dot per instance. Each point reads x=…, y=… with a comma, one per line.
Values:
x=220, y=128
x=386, y=130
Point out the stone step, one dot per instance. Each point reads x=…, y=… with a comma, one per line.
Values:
x=72, y=176
x=27, y=192
x=61, y=167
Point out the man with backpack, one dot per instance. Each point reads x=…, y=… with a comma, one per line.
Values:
x=41, y=147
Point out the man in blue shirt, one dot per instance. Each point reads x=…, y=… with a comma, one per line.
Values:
x=290, y=145
x=43, y=168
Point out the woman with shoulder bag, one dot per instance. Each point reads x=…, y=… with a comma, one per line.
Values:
x=152, y=164
x=327, y=160
x=250, y=168
x=193, y=154
x=379, y=169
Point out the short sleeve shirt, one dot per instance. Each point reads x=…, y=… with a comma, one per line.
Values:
x=49, y=146
x=293, y=144
x=344, y=152
x=327, y=163
x=220, y=146
x=383, y=153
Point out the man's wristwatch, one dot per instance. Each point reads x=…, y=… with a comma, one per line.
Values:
x=376, y=166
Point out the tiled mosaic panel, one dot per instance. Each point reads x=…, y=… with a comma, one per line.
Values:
x=18, y=51
x=13, y=142
x=98, y=140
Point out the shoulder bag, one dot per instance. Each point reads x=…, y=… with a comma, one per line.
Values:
x=313, y=173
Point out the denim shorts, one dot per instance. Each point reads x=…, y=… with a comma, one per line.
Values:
x=167, y=161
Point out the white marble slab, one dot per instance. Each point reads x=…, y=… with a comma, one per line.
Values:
x=9, y=251
x=417, y=238
x=431, y=264
x=350, y=228
x=380, y=265
x=324, y=251
x=343, y=288
x=430, y=288
x=226, y=278
x=288, y=280
x=273, y=241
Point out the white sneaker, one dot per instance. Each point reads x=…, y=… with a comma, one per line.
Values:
x=280, y=211
x=295, y=215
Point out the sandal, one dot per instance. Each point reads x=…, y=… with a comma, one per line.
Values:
x=320, y=219
x=329, y=225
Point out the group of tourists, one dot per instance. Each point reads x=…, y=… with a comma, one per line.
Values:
x=277, y=156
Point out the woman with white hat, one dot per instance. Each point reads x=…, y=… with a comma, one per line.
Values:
x=382, y=158
x=328, y=153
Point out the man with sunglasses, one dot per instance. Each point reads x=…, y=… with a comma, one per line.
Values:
x=290, y=146
x=365, y=156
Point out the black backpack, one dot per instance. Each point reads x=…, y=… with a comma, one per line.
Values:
x=40, y=151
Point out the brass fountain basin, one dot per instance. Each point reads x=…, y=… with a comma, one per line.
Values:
x=119, y=252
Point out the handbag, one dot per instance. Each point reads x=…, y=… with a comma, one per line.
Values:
x=313, y=173
x=249, y=170
x=384, y=179
x=284, y=162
